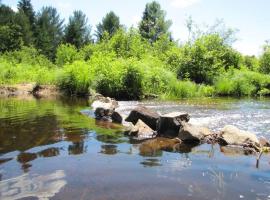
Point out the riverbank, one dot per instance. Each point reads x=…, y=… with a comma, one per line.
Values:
x=27, y=89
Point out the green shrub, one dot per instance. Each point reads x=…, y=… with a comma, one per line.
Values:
x=66, y=54
x=75, y=79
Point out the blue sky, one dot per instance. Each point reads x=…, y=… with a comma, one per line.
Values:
x=251, y=17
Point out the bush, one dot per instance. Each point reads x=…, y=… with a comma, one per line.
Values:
x=66, y=54
x=75, y=79
x=208, y=57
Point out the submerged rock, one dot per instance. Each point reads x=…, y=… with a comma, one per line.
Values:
x=264, y=142
x=169, y=124
x=154, y=147
x=141, y=130
x=231, y=135
x=234, y=150
x=149, y=117
x=193, y=133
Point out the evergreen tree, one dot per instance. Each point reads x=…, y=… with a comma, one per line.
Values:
x=77, y=31
x=153, y=23
x=7, y=15
x=49, y=31
x=10, y=32
x=110, y=24
x=25, y=6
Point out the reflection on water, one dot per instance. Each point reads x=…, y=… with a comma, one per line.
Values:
x=52, y=149
x=42, y=187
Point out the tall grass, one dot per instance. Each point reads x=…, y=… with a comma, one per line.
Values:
x=242, y=83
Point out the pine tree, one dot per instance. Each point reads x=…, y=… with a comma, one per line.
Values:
x=110, y=24
x=153, y=23
x=77, y=32
x=49, y=31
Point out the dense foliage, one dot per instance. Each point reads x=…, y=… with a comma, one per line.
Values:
x=125, y=63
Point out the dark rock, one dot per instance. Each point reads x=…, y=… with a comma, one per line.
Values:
x=169, y=124
x=193, y=133
x=149, y=117
x=116, y=117
x=142, y=131
x=231, y=135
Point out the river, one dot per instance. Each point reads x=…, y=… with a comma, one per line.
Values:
x=52, y=149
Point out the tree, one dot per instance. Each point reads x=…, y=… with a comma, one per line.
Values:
x=265, y=59
x=10, y=32
x=25, y=6
x=153, y=23
x=7, y=15
x=77, y=31
x=110, y=24
x=26, y=31
x=10, y=37
x=49, y=31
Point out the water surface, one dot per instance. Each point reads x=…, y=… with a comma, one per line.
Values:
x=52, y=149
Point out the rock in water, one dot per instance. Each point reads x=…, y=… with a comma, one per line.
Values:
x=149, y=117
x=231, y=135
x=116, y=117
x=169, y=124
x=153, y=147
x=104, y=108
x=142, y=131
x=193, y=133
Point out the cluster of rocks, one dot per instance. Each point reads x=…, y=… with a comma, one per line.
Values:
x=145, y=123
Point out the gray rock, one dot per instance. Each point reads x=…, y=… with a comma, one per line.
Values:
x=104, y=108
x=231, y=135
x=141, y=130
x=149, y=117
x=169, y=125
x=193, y=133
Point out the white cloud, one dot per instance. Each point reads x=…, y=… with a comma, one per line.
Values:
x=183, y=3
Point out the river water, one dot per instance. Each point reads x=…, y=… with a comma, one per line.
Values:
x=52, y=149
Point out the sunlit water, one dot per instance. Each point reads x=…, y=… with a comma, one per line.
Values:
x=52, y=149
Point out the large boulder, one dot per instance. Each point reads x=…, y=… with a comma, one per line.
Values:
x=169, y=124
x=149, y=117
x=193, y=133
x=141, y=131
x=231, y=135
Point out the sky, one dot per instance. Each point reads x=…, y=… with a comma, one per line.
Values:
x=250, y=17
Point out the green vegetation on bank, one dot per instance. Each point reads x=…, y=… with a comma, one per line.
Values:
x=126, y=63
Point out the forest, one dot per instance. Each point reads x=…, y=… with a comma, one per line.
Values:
x=126, y=63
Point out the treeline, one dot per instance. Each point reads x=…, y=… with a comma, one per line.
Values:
x=125, y=63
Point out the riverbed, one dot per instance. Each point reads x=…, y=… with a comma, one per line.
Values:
x=53, y=149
